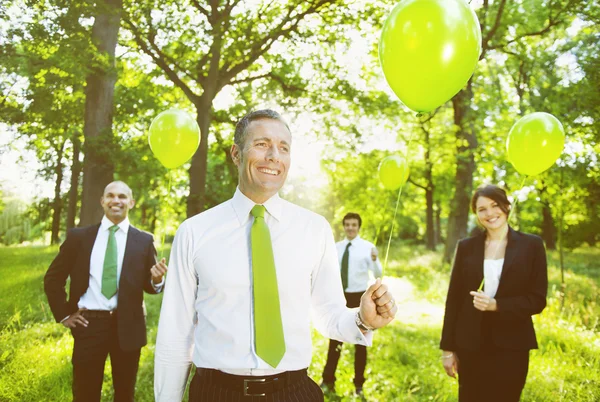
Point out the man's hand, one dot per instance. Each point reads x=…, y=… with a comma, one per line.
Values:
x=76, y=319
x=450, y=363
x=377, y=306
x=158, y=270
x=374, y=253
x=483, y=302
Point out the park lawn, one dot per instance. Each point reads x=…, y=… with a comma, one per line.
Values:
x=403, y=363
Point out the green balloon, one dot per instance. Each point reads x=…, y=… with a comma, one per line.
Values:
x=393, y=172
x=174, y=137
x=428, y=50
x=535, y=142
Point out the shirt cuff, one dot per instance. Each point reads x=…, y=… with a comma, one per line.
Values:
x=159, y=286
x=351, y=331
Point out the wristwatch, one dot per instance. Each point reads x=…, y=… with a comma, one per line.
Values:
x=360, y=324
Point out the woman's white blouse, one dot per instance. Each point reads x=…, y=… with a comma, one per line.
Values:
x=492, y=269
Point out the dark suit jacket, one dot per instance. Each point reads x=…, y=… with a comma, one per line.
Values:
x=521, y=293
x=73, y=260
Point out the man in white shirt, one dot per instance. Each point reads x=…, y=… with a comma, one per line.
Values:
x=245, y=279
x=110, y=265
x=356, y=258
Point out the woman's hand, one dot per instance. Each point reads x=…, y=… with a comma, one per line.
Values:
x=483, y=302
x=450, y=362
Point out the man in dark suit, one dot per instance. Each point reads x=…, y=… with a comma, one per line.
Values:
x=110, y=265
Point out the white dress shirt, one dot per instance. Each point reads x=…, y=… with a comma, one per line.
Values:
x=93, y=299
x=206, y=316
x=359, y=263
x=492, y=270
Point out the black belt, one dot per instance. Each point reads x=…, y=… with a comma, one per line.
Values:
x=251, y=385
x=99, y=313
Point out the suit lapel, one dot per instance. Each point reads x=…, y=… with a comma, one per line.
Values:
x=512, y=249
x=478, y=256
x=87, y=244
x=131, y=247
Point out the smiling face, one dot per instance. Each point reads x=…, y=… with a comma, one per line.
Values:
x=351, y=227
x=265, y=159
x=490, y=214
x=117, y=201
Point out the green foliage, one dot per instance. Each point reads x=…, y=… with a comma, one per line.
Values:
x=403, y=363
x=301, y=57
x=14, y=229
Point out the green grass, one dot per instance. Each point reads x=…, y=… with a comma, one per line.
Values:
x=403, y=365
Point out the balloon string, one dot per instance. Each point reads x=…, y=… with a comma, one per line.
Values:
x=510, y=213
x=387, y=251
x=376, y=239
x=162, y=242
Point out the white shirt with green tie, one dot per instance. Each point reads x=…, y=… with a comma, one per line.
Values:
x=360, y=263
x=206, y=315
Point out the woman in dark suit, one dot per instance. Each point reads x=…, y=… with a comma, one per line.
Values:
x=487, y=334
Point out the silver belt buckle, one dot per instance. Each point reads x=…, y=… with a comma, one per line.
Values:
x=251, y=380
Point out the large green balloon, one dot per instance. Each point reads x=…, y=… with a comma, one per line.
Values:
x=393, y=172
x=428, y=50
x=174, y=137
x=535, y=142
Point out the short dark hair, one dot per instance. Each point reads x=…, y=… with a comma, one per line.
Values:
x=241, y=128
x=492, y=192
x=130, y=193
x=352, y=215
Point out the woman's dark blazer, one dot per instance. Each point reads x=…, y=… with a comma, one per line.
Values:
x=521, y=293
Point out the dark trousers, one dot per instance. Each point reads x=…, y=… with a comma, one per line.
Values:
x=92, y=345
x=492, y=374
x=335, y=348
x=202, y=389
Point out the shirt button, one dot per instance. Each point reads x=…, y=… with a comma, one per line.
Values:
x=358, y=339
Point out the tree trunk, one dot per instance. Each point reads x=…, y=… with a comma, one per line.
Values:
x=429, y=193
x=197, y=198
x=465, y=166
x=548, y=227
x=98, y=167
x=153, y=220
x=74, y=190
x=563, y=285
x=438, y=224
x=430, y=232
x=57, y=204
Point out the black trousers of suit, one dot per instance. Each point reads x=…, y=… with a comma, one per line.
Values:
x=92, y=345
x=335, y=348
x=492, y=374
x=305, y=390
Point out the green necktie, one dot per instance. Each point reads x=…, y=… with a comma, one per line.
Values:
x=345, y=258
x=109, y=271
x=268, y=329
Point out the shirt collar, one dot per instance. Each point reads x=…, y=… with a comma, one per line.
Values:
x=346, y=240
x=242, y=206
x=106, y=224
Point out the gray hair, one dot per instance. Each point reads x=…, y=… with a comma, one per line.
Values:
x=241, y=128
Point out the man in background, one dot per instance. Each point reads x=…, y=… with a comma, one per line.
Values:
x=110, y=265
x=357, y=257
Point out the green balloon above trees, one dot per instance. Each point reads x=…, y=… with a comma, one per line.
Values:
x=535, y=142
x=428, y=50
x=174, y=137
